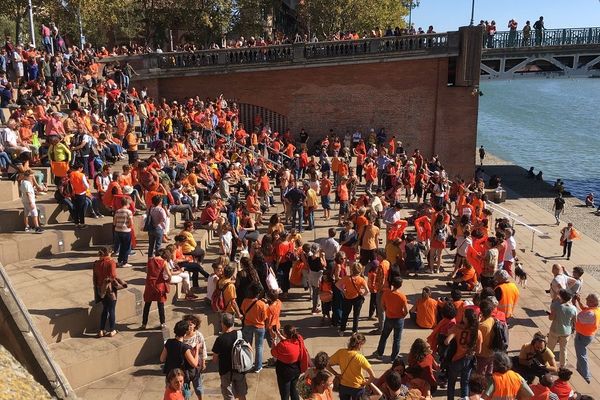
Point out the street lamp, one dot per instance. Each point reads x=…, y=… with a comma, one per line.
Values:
x=410, y=4
x=472, y=13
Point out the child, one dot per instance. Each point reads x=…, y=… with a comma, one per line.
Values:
x=28, y=199
x=195, y=340
x=213, y=279
x=541, y=390
x=326, y=297
x=272, y=324
x=561, y=387
x=227, y=240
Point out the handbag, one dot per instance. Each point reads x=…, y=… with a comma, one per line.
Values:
x=272, y=283
x=338, y=378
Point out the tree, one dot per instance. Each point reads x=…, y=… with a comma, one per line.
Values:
x=326, y=17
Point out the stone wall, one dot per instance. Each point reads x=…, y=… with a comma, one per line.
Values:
x=411, y=99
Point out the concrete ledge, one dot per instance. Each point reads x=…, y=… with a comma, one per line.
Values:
x=9, y=191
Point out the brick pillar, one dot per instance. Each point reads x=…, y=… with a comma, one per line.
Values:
x=468, y=65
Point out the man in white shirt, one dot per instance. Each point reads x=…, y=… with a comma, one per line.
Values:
x=330, y=247
x=10, y=139
x=392, y=215
x=560, y=281
x=510, y=254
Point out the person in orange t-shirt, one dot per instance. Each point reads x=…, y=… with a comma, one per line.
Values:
x=354, y=288
x=273, y=323
x=395, y=305
x=425, y=310
x=465, y=278
x=255, y=315
x=343, y=198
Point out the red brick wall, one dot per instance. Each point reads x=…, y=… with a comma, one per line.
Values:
x=409, y=98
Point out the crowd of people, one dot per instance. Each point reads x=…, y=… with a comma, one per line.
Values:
x=530, y=35
x=259, y=191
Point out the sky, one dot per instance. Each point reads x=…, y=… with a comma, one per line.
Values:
x=448, y=15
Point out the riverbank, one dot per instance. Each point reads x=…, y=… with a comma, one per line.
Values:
x=514, y=179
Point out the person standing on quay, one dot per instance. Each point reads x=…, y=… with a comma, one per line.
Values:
x=481, y=155
x=558, y=207
x=567, y=235
x=586, y=326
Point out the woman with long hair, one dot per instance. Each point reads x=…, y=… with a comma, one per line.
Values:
x=288, y=353
x=245, y=277
x=158, y=276
x=354, y=288
x=420, y=355
x=467, y=338
x=439, y=234
x=106, y=284
x=352, y=362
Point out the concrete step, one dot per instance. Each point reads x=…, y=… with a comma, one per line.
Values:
x=88, y=359
x=20, y=246
x=9, y=190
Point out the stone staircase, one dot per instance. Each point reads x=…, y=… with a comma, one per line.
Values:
x=52, y=273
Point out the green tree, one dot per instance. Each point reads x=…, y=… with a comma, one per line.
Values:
x=326, y=17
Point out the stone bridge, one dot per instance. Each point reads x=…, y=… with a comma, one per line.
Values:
x=555, y=53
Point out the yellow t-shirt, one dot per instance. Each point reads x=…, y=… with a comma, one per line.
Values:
x=351, y=364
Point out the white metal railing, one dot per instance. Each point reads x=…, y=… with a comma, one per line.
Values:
x=510, y=215
x=58, y=380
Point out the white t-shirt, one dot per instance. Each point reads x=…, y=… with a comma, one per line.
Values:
x=211, y=286
x=511, y=245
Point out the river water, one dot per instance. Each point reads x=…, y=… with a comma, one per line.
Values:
x=550, y=124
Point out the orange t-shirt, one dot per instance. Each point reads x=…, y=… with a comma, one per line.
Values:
x=274, y=311
x=394, y=304
x=426, y=312
x=351, y=286
x=255, y=316
x=463, y=338
x=265, y=185
x=360, y=222
x=342, y=191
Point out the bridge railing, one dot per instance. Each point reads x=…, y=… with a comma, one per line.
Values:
x=548, y=37
x=440, y=43
x=391, y=44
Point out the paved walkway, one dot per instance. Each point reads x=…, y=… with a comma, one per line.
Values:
x=146, y=382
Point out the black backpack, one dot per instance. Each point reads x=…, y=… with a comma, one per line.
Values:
x=499, y=334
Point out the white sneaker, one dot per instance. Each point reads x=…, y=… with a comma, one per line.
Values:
x=127, y=265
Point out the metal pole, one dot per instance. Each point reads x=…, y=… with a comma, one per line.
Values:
x=472, y=13
x=410, y=15
x=81, y=37
x=31, y=27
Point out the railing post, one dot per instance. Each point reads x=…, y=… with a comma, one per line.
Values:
x=298, y=52
x=223, y=57
x=564, y=37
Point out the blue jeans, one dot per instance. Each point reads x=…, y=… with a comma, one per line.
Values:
x=4, y=160
x=155, y=238
x=298, y=211
x=353, y=305
x=108, y=312
x=311, y=219
x=349, y=393
x=391, y=324
x=460, y=368
x=122, y=246
x=338, y=298
x=248, y=332
x=581, y=344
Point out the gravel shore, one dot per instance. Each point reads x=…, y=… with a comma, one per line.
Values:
x=16, y=382
x=515, y=179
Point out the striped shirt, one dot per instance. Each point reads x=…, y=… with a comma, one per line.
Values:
x=122, y=216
